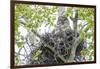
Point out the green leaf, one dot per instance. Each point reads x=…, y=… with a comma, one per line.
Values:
x=36, y=54
x=82, y=35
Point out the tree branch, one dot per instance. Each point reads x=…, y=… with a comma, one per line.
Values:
x=74, y=18
x=73, y=50
x=77, y=39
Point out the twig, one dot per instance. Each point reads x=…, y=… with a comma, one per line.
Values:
x=83, y=26
x=28, y=44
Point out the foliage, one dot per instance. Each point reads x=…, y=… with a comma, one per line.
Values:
x=35, y=15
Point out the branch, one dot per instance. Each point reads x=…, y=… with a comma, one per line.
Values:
x=73, y=50
x=74, y=18
x=61, y=11
x=84, y=26
x=28, y=44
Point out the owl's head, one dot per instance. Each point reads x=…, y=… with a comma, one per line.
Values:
x=63, y=23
